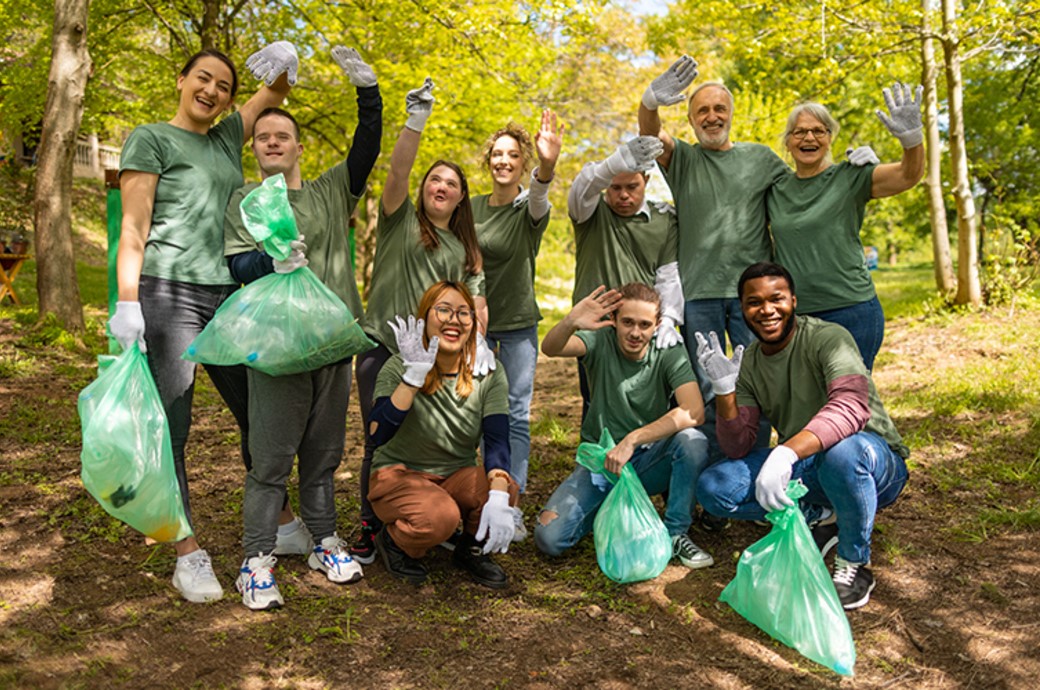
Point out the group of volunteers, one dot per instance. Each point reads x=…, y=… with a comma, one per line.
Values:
x=446, y=393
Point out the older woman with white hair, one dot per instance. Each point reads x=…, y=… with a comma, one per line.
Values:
x=816, y=213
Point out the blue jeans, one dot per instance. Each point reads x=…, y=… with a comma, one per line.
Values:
x=518, y=354
x=671, y=464
x=865, y=321
x=174, y=313
x=856, y=477
x=723, y=316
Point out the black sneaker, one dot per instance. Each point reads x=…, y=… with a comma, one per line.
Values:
x=469, y=555
x=854, y=583
x=450, y=543
x=397, y=562
x=364, y=549
x=825, y=536
x=713, y=523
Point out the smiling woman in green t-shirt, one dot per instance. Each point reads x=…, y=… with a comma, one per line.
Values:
x=176, y=179
x=416, y=245
x=815, y=214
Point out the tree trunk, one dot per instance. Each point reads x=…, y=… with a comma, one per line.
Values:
x=55, y=262
x=945, y=281
x=969, y=288
x=210, y=24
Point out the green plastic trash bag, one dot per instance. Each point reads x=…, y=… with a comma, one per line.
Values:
x=783, y=587
x=283, y=323
x=269, y=218
x=632, y=543
x=127, y=458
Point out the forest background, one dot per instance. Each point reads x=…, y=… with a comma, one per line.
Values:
x=85, y=603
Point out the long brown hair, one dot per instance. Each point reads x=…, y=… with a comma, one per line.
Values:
x=464, y=380
x=461, y=224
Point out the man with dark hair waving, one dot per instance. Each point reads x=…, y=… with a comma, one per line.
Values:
x=808, y=377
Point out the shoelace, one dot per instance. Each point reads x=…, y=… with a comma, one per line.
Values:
x=844, y=572
x=263, y=573
x=201, y=567
x=683, y=544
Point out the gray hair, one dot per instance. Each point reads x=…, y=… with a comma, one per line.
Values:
x=717, y=85
x=817, y=111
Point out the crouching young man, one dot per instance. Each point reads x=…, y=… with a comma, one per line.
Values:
x=631, y=384
x=808, y=377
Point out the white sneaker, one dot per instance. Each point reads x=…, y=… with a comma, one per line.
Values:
x=256, y=583
x=296, y=543
x=519, y=531
x=332, y=557
x=195, y=580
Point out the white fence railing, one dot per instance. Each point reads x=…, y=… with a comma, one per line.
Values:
x=92, y=157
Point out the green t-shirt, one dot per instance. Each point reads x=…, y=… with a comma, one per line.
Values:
x=720, y=197
x=815, y=223
x=509, y=241
x=403, y=270
x=626, y=395
x=613, y=250
x=790, y=387
x=197, y=174
x=322, y=208
x=441, y=432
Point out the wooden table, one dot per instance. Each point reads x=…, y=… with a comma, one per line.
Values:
x=10, y=264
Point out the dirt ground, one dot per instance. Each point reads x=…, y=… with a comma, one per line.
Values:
x=85, y=603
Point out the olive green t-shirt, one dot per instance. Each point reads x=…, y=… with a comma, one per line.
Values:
x=509, y=241
x=197, y=174
x=612, y=250
x=403, y=270
x=720, y=197
x=815, y=223
x=624, y=394
x=322, y=208
x=790, y=387
x=441, y=432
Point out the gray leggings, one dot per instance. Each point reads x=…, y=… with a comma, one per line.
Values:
x=174, y=313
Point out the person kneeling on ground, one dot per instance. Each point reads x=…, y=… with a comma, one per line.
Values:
x=429, y=416
x=808, y=377
x=631, y=385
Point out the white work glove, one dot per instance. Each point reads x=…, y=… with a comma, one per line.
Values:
x=127, y=325
x=417, y=360
x=635, y=155
x=722, y=371
x=666, y=335
x=271, y=60
x=771, y=483
x=860, y=156
x=904, y=120
x=496, y=523
x=668, y=88
x=358, y=71
x=484, y=361
x=418, y=103
x=296, y=258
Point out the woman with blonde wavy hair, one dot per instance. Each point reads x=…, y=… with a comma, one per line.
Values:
x=430, y=414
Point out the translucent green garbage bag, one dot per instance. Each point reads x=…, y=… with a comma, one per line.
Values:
x=283, y=323
x=127, y=458
x=782, y=586
x=632, y=543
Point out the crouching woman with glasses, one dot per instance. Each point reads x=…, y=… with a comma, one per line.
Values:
x=429, y=416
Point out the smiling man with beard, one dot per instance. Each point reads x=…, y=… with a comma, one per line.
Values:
x=808, y=377
x=631, y=384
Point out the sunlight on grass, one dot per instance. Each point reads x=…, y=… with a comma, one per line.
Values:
x=906, y=291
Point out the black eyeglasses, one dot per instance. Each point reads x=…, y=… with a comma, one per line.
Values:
x=444, y=313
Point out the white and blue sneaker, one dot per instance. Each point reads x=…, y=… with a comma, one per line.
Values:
x=256, y=583
x=332, y=558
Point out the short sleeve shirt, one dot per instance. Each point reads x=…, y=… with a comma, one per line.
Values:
x=613, y=250
x=624, y=394
x=815, y=223
x=197, y=175
x=441, y=432
x=509, y=242
x=720, y=197
x=403, y=270
x=322, y=208
x=790, y=387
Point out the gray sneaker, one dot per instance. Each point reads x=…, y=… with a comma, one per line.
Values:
x=520, y=532
x=298, y=543
x=689, y=554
